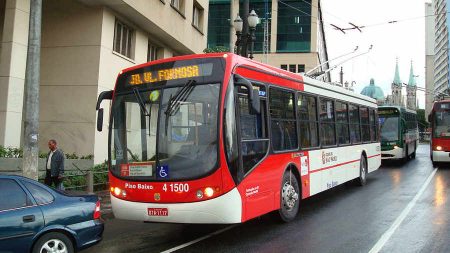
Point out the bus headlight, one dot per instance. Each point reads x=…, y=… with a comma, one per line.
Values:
x=119, y=192
x=199, y=194
x=209, y=192
x=395, y=147
x=438, y=148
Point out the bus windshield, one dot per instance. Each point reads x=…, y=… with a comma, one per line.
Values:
x=442, y=123
x=166, y=133
x=389, y=128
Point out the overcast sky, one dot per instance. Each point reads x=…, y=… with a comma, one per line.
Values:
x=403, y=40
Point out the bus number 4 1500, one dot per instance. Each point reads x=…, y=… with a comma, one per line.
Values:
x=176, y=187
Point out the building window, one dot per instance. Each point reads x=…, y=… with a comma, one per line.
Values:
x=123, y=39
x=218, y=24
x=283, y=66
x=178, y=5
x=292, y=68
x=301, y=68
x=294, y=26
x=197, y=16
x=152, y=53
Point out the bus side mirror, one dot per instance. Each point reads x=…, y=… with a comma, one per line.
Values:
x=429, y=118
x=100, y=119
x=253, y=95
x=103, y=95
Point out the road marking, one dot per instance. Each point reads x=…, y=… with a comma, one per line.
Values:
x=385, y=237
x=199, y=239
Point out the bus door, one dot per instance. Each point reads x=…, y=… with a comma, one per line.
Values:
x=254, y=143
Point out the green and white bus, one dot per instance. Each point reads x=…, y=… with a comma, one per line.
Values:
x=399, y=132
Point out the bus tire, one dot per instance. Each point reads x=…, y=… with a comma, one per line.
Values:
x=362, y=179
x=406, y=157
x=289, y=197
x=413, y=155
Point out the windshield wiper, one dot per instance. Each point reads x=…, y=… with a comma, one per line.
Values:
x=182, y=94
x=173, y=105
x=137, y=94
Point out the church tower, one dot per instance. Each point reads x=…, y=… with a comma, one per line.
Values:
x=411, y=90
x=397, y=98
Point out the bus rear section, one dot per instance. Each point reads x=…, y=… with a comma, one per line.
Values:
x=398, y=127
x=440, y=128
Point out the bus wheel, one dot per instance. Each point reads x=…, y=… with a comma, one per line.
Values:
x=406, y=157
x=361, y=181
x=290, y=197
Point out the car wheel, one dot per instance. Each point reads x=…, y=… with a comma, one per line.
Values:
x=362, y=179
x=53, y=242
x=289, y=197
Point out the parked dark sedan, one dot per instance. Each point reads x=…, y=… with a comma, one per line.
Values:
x=36, y=218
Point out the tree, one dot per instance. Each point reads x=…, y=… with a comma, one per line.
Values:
x=216, y=49
x=421, y=119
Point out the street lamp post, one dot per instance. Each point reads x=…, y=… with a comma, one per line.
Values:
x=238, y=23
x=244, y=38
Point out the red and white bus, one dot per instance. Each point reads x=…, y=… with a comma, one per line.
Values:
x=218, y=138
x=440, y=132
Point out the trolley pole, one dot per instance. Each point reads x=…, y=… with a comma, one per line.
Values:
x=31, y=101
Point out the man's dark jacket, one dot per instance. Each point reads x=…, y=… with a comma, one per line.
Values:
x=56, y=164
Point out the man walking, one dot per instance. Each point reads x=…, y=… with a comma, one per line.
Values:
x=54, y=166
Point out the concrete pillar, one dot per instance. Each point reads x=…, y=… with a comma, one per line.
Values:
x=13, y=58
x=274, y=27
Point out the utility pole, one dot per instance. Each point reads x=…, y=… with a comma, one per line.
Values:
x=246, y=11
x=31, y=101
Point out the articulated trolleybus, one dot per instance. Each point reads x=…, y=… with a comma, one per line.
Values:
x=440, y=127
x=218, y=138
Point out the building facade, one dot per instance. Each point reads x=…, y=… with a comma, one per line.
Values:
x=429, y=57
x=290, y=34
x=85, y=44
x=441, y=50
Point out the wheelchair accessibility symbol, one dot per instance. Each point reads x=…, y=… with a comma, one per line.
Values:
x=163, y=171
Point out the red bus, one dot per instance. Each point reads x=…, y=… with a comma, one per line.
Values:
x=218, y=138
x=439, y=119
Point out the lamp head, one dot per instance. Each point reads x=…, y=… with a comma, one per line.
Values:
x=252, y=19
x=237, y=23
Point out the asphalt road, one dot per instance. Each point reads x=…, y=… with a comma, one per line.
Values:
x=403, y=208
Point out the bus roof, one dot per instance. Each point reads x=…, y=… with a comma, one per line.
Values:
x=234, y=61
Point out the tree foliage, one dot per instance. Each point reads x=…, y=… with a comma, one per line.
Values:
x=421, y=119
x=216, y=49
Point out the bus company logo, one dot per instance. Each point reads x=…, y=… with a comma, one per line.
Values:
x=328, y=157
x=157, y=196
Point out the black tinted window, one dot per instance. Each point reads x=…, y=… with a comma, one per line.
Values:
x=283, y=120
x=12, y=195
x=41, y=195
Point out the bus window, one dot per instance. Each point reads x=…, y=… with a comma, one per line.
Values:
x=373, y=126
x=355, y=134
x=327, y=124
x=365, y=127
x=283, y=121
x=307, y=115
x=442, y=124
x=342, y=123
x=254, y=138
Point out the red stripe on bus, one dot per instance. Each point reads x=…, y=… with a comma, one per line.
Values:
x=374, y=156
x=337, y=165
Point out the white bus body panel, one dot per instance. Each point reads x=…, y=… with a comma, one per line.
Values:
x=441, y=156
x=223, y=209
x=397, y=153
x=334, y=166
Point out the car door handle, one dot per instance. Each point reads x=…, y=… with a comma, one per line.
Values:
x=28, y=218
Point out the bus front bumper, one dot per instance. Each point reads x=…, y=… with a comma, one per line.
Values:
x=225, y=209
x=441, y=156
x=396, y=153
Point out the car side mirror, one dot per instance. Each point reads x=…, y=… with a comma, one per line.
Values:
x=100, y=119
x=103, y=95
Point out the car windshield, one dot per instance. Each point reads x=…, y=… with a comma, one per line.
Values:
x=389, y=128
x=165, y=134
x=442, y=124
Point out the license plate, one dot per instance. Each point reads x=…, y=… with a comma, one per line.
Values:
x=158, y=212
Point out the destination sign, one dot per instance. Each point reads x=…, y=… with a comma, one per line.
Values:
x=190, y=71
x=387, y=112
